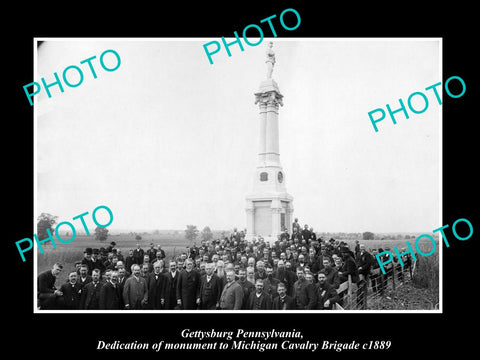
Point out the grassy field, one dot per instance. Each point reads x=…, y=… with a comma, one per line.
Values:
x=67, y=254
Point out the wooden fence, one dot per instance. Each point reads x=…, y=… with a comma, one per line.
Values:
x=356, y=296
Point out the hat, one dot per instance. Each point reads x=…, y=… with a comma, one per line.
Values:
x=95, y=251
x=113, y=243
x=88, y=251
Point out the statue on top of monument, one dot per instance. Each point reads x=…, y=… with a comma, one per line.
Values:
x=270, y=60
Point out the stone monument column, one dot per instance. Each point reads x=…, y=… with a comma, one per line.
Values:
x=269, y=207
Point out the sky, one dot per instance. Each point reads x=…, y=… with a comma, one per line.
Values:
x=168, y=139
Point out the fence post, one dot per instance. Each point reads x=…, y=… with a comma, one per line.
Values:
x=349, y=292
x=393, y=276
x=365, y=291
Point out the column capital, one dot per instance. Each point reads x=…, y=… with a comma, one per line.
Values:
x=271, y=98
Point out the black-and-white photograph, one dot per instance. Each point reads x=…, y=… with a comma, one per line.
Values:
x=300, y=174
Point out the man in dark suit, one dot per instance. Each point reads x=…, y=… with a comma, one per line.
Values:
x=246, y=285
x=283, y=301
x=152, y=253
x=129, y=261
x=170, y=286
x=304, y=293
x=267, y=259
x=135, y=292
x=259, y=300
x=306, y=234
x=138, y=254
x=47, y=293
x=87, y=260
x=84, y=278
x=188, y=287
x=97, y=261
x=286, y=277
x=111, y=294
x=260, y=273
x=270, y=283
x=71, y=293
x=364, y=262
x=326, y=294
x=331, y=273
x=90, y=298
x=155, y=286
x=349, y=266
x=210, y=289
x=314, y=262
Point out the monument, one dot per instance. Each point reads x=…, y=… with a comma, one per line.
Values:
x=269, y=207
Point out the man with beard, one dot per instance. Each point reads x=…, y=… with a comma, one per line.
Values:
x=301, y=261
x=283, y=301
x=304, y=293
x=71, y=293
x=331, y=273
x=270, y=283
x=110, y=294
x=267, y=260
x=144, y=270
x=90, y=299
x=247, y=285
x=251, y=262
x=349, y=266
x=210, y=289
x=47, y=293
x=251, y=274
x=170, y=286
x=260, y=273
x=314, y=262
x=326, y=294
x=188, y=287
x=284, y=276
x=243, y=262
x=155, y=287
x=259, y=300
x=135, y=292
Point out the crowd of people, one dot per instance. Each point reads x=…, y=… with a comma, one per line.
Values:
x=297, y=272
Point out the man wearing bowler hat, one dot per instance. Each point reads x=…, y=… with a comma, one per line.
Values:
x=87, y=260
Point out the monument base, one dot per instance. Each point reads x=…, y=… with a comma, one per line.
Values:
x=268, y=216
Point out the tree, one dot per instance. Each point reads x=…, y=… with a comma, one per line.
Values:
x=101, y=234
x=45, y=221
x=367, y=235
x=191, y=233
x=138, y=237
x=206, y=234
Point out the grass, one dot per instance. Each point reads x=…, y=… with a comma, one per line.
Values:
x=68, y=254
